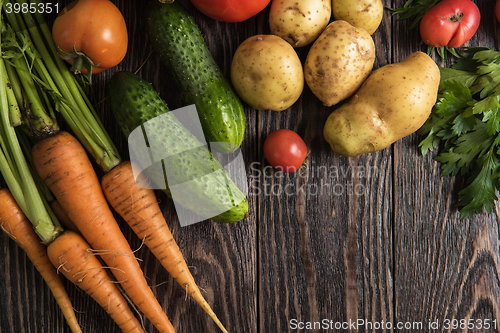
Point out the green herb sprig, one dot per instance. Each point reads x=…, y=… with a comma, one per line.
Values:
x=465, y=123
x=414, y=10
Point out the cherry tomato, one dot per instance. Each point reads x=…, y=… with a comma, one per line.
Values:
x=497, y=10
x=96, y=29
x=230, y=10
x=450, y=23
x=285, y=150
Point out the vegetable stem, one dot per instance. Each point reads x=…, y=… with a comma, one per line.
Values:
x=14, y=111
x=73, y=104
x=17, y=172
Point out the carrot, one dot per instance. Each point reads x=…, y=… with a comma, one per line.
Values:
x=74, y=258
x=17, y=226
x=64, y=166
x=49, y=86
x=62, y=216
x=139, y=207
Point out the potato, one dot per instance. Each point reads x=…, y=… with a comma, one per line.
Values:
x=266, y=73
x=299, y=22
x=365, y=14
x=392, y=103
x=338, y=62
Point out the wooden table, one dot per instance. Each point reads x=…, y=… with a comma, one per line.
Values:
x=375, y=238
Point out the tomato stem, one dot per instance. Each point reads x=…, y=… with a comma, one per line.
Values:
x=81, y=60
x=455, y=17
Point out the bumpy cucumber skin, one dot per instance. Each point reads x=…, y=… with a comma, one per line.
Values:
x=176, y=37
x=134, y=102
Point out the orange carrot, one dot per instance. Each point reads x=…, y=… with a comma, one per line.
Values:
x=62, y=216
x=17, y=226
x=64, y=166
x=139, y=207
x=74, y=258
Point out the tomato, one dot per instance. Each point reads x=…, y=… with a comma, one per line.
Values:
x=97, y=31
x=497, y=10
x=285, y=150
x=230, y=10
x=450, y=23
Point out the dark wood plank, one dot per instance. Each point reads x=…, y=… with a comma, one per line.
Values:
x=446, y=269
x=325, y=250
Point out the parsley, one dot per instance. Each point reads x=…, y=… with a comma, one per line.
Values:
x=414, y=10
x=465, y=123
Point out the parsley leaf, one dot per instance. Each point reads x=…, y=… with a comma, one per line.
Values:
x=469, y=64
x=464, y=77
x=466, y=149
x=481, y=192
x=465, y=123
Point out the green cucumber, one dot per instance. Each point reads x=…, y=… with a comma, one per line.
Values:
x=176, y=37
x=134, y=103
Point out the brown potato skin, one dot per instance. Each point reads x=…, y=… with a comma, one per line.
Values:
x=365, y=14
x=299, y=22
x=266, y=73
x=392, y=103
x=338, y=62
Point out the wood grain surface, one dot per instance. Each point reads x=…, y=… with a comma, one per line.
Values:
x=375, y=238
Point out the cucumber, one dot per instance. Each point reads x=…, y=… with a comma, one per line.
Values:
x=205, y=186
x=176, y=37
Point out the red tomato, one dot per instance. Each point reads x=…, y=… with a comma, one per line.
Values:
x=497, y=10
x=230, y=10
x=450, y=23
x=285, y=150
x=96, y=28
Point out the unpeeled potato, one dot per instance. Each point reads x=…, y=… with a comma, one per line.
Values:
x=266, y=72
x=365, y=14
x=338, y=62
x=299, y=22
x=392, y=103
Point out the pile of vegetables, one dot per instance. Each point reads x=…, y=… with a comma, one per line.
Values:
x=38, y=84
x=375, y=108
x=267, y=73
x=58, y=210
x=463, y=124
x=40, y=162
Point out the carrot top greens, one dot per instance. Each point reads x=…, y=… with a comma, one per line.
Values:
x=35, y=86
x=465, y=122
x=14, y=167
x=30, y=42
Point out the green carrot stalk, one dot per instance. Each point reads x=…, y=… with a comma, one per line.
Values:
x=74, y=106
x=14, y=111
x=24, y=205
x=17, y=173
